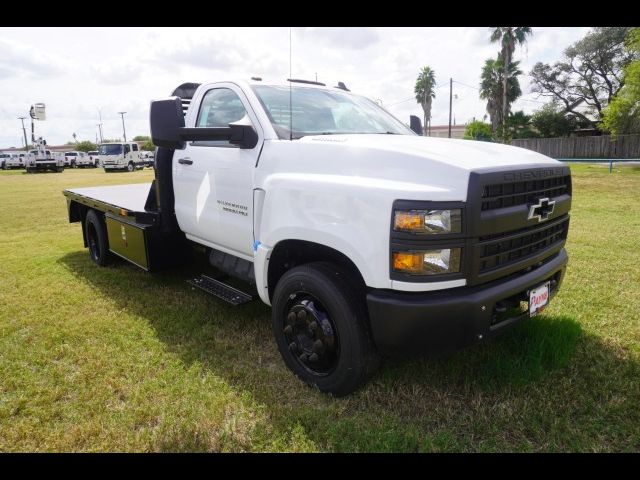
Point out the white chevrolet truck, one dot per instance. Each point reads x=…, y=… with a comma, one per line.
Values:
x=364, y=238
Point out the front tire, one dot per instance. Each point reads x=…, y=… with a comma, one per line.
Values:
x=96, y=236
x=320, y=324
x=130, y=167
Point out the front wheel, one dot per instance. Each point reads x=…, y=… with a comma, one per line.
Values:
x=320, y=324
x=130, y=167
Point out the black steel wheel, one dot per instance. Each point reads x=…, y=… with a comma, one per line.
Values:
x=97, y=240
x=311, y=334
x=320, y=323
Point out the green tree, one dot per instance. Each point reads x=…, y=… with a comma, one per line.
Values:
x=508, y=37
x=623, y=113
x=478, y=130
x=86, y=146
x=425, y=91
x=551, y=122
x=491, y=85
x=519, y=125
x=590, y=74
x=141, y=138
x=148, y=146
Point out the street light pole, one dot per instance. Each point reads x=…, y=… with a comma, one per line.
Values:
x=124, y=132
x=24, y=130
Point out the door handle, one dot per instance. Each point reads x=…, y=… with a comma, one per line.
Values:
x=185, y=161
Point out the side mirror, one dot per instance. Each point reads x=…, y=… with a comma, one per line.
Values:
x=416, y=124
x=168, y=130
x=167, y=120
x=243, y=134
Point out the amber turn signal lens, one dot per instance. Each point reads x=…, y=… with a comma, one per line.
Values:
x=408, y=262
x=409, y=221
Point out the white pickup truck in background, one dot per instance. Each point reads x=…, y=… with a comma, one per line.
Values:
x=365, y=238
x=76, y=159
x=11, y=160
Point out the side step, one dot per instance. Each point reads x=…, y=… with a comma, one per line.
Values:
x=221, y=290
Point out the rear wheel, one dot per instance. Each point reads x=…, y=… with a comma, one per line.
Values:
x=320, y=324
x=97, y=240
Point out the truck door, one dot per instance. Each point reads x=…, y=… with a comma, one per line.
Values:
x=213, y=181
x=135, y=153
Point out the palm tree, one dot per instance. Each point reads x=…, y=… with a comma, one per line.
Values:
x=424, y=91
x=508, y=37
x=491, y=89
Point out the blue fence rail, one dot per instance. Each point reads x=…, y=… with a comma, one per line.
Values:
x=610, y=161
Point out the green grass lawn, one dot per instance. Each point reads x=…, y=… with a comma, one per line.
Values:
x=117, y=359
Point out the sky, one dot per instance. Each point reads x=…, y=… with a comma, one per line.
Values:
x=82, y=74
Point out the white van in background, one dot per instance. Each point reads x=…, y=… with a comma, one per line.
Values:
x=120, y=156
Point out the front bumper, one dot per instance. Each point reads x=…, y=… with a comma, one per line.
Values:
x=447, y=320
x=46, y=165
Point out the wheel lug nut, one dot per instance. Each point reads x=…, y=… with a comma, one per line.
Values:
x=291, y=317
x=318, y=346
x=313, y=326
x=313, y=357
x=302, y=315
x=304, y=357
x=293, y=347
x=288, y=329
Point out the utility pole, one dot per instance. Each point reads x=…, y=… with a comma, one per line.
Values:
x=24, y=130
x=124, y=132
x=450, y=103
x=100, y=124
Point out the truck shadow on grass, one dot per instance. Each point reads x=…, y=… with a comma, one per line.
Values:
x=546, y=369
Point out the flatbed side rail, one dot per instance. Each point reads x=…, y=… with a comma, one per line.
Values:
x=74, y=214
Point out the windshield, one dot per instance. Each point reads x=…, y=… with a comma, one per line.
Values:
x=4, y=155
x=110, y=149
x=71, y=154
x=93, y=153
x=324, y=112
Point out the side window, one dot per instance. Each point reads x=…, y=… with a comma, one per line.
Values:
x=134, y=146
x=219, y=108
x=127, y=148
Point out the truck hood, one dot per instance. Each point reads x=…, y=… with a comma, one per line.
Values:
x=464, y=154
x=401, y=166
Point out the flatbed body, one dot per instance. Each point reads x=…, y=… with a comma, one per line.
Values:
x=133, y=229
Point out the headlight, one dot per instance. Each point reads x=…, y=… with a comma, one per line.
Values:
x=427, y=262
x=432, y=222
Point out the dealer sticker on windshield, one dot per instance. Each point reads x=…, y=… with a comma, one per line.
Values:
x=538, y=299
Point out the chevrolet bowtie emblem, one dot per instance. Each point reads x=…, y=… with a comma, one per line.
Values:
x=541, y=210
